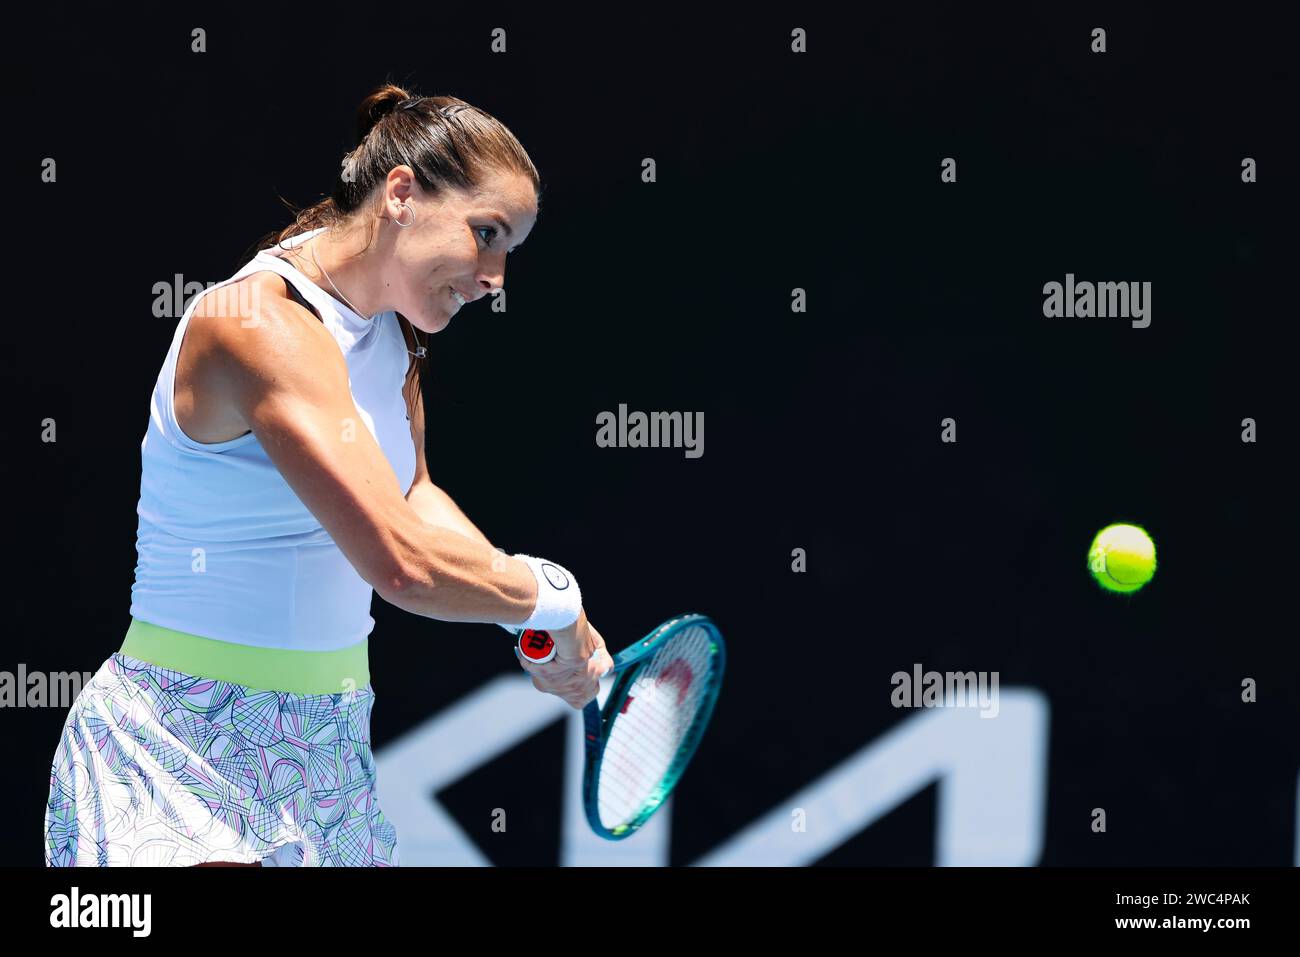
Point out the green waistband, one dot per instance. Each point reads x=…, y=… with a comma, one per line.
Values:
x=269, y=669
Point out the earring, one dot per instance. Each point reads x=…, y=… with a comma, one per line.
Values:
x=406, y=225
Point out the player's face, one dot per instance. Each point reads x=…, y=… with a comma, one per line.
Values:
x=458, y=243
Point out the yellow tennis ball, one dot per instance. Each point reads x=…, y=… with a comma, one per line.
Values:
x=1122, y=558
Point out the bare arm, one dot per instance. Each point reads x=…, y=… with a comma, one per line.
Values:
x=287, y=380
x=436, y=507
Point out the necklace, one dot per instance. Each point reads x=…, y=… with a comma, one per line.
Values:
x=336, y=288
x=420, y=351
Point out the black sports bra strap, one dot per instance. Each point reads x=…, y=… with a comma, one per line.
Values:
x=293, y=291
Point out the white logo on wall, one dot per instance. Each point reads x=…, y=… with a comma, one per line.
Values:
x=991, y=777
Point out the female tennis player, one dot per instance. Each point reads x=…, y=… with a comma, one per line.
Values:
x=284, y=482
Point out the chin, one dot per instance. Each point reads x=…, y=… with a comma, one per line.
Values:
x=432, y=324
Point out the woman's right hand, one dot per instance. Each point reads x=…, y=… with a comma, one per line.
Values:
x=580, y=660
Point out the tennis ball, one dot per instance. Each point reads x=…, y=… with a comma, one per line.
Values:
x=1122, y=558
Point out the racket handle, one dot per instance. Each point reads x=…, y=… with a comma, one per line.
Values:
x=538, y=647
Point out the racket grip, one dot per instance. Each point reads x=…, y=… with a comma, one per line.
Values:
x=538, y=647
x=535, y=646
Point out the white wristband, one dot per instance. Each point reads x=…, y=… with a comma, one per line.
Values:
x=559, y=602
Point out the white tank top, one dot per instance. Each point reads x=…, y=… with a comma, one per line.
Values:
x=225, y=548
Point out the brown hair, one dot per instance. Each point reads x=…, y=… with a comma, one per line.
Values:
x=444, y=140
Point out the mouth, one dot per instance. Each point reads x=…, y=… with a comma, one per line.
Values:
x=456, y=297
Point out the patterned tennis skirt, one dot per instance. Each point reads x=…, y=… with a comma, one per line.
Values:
x=159, y=768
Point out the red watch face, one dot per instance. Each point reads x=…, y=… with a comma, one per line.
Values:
x=536, y=646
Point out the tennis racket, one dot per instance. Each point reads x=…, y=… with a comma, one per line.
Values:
x=640, y=742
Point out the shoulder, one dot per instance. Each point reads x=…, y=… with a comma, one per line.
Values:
x=253, y=325
x=264, y=290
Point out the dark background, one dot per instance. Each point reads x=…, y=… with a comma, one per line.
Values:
x=775, y=171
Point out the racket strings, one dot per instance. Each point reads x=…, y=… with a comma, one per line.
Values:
x=648, y=733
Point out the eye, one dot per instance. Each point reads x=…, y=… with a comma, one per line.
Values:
x=490, y=229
